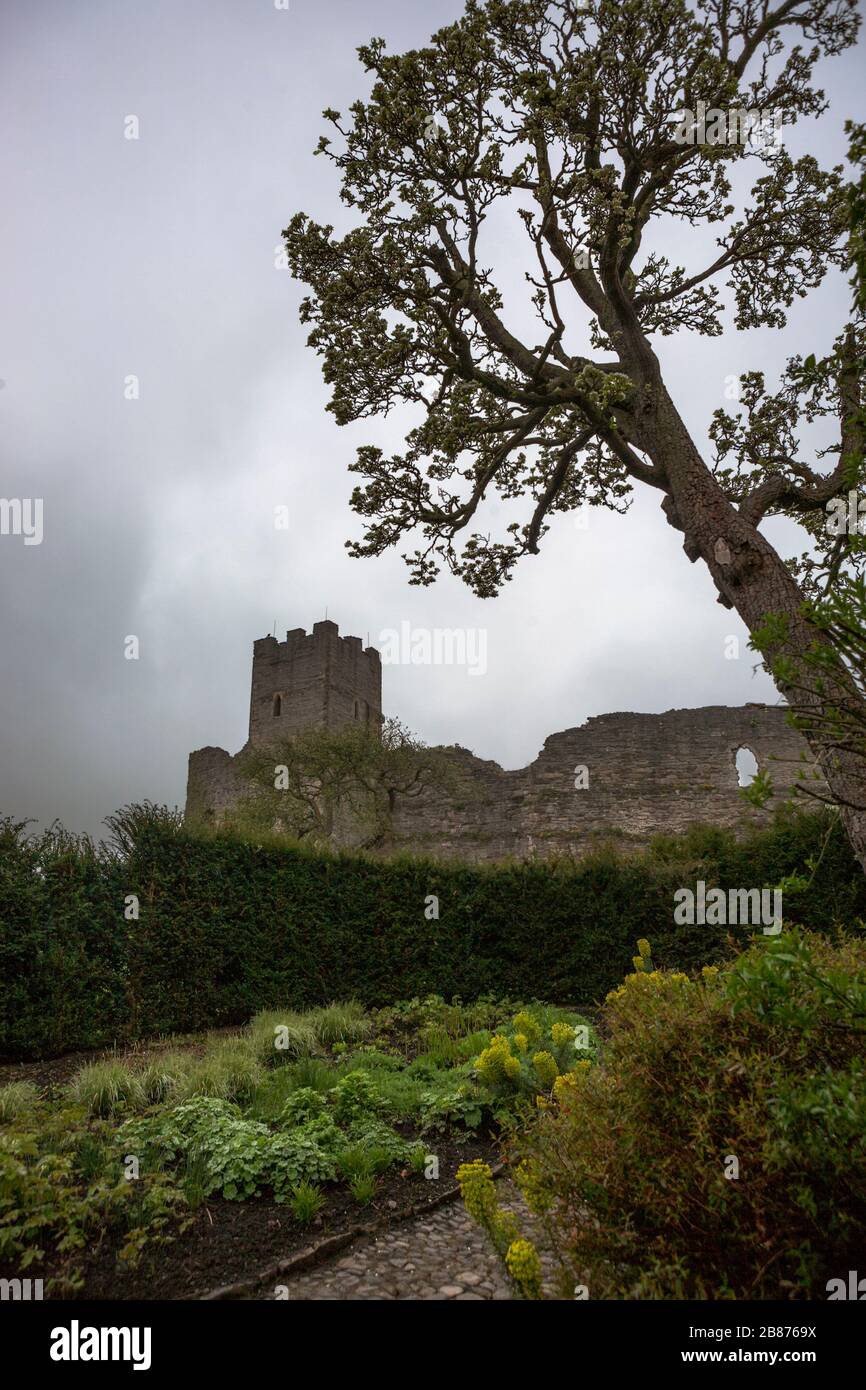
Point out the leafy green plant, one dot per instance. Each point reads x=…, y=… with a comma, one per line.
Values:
x=418, y=1161
x=363, y=1188
x=57, y=1197
x=305, y=1202
x=382, y=1144
x=302, y=1105
x=356, y=1099
x=461, y=1105
x=307, y=1153
x=94, y=1157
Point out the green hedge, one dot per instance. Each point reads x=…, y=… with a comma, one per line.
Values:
x=228, y=927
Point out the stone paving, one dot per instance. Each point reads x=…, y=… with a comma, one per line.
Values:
x=442, y=1256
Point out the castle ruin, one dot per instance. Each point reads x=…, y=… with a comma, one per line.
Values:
x=645, y=774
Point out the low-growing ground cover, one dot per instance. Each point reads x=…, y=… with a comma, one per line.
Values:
x=181, y=1168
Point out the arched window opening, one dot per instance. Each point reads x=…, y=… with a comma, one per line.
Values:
x=278, y=706
x=747, y=767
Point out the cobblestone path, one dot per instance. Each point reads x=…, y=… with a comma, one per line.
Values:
x=441, y=1256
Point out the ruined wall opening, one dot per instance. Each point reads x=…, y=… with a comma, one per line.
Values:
x=747, y=767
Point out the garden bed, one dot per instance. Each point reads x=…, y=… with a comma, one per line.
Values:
x=176, y=1169
x=234, y=1242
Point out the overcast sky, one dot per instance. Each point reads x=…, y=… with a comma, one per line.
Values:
x=155, y=258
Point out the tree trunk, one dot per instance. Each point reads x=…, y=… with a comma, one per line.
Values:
x=752, y=579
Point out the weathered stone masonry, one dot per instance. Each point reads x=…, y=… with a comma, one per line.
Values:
x=647, y=773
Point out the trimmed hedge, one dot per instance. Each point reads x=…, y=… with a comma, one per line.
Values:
x=228, y=927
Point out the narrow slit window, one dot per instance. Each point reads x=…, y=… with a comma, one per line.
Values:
x=278, y=706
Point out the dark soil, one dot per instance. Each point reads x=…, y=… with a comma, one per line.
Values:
x=232, y=1241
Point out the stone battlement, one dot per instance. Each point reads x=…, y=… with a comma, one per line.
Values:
x=313, y=680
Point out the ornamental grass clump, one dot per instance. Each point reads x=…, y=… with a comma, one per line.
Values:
x=106, y=1089
x=281, y=1037
x=340, y=1023
x=16, y=1099
x=718, y=1148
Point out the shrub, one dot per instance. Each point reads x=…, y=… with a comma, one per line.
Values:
x=718, y=1149
x=228, y=927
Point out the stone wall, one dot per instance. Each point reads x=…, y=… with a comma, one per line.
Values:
x=645, y=774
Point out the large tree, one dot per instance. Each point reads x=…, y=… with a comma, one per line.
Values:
x=572, y=119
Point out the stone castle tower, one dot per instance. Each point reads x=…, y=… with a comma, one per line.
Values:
x=317, y=680
x=312, y=680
